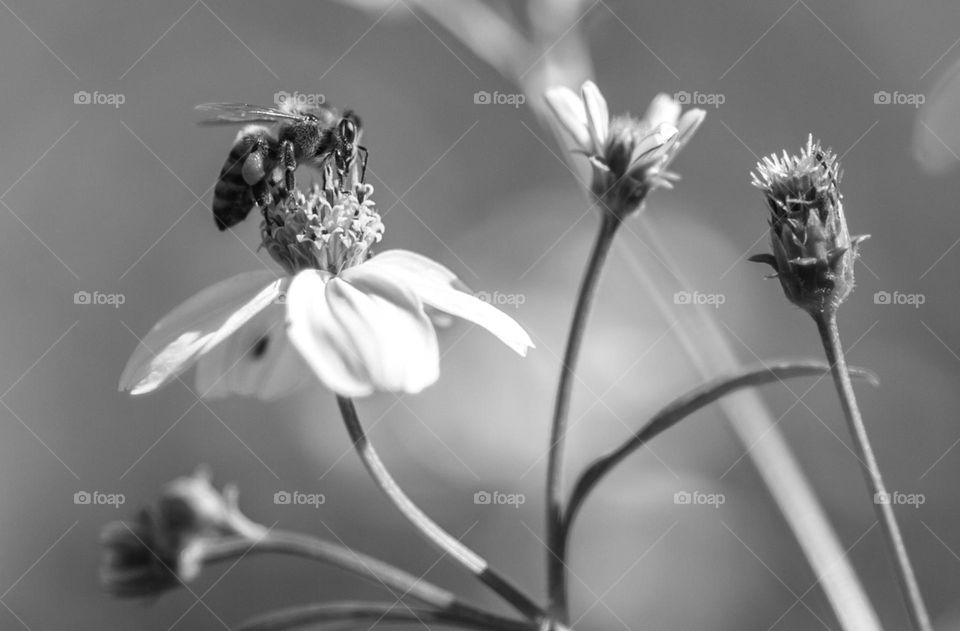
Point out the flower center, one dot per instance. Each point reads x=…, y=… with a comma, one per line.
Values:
x=626, y=133
x=324, y=228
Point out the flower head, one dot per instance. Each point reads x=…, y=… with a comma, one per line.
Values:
x=164, y=545
x=323, y=229
x=357, y=321
x=813, y=252
x=629, y=155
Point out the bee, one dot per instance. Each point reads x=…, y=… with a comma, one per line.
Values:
x=263, y=157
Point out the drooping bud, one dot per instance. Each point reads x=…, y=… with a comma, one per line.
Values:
x=165, y=545
x=813, y=252
x=134, y=563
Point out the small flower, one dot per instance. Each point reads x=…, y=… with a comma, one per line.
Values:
x=813, y=252
x=629, y=155
x=359, y=321
x=164, y=546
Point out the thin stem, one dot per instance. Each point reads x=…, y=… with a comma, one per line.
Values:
x=707, y=345
x=399, y=582
x=556, y=563
x=373, y=613
x=830, y=334
x=428, y=528
x=681, y=408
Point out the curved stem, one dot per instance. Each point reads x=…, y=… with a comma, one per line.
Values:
x=830, y=334
x=399, y=582
x=556, y=560
x=429, y=529
x=679, y=409
x=372, y=613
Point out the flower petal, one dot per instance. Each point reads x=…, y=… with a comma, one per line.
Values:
x=257, y=360
x=689, y=124
x=654, y=144
x=433, y=284
x=571, y=114
x=322, y=341
x=598, y=116
x=395, y=338
x=195, y=327
x=663, y=109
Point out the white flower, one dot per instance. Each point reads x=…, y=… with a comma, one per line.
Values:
x=630, y=155
x=360, y=322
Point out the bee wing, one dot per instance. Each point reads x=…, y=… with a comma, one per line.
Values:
x=936, y=134
x=232, y=113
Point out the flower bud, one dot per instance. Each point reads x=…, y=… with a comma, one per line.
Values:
x=813, y=252
x=134, y=562
x=165, y=545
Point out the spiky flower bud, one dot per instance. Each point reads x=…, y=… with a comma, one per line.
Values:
x=813, y=252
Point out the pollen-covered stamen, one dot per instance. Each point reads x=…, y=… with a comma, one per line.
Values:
x=324, y=228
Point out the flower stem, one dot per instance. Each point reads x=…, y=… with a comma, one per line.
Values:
x=556, y=560
x=679, y=409
x=830, y=335
x=707, y=345
x=399, y=582
x=428, y=528
x=373, y=613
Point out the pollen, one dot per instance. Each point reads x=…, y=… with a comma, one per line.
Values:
x=323, y=228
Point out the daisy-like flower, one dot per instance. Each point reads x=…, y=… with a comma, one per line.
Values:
x=813, y=252
x=359, y=322
x=630, y=156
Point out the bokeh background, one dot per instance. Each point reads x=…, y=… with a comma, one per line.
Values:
x=116, y=200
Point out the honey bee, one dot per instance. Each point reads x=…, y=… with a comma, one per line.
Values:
x=263, y=157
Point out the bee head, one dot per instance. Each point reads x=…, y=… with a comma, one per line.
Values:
x=349, y=128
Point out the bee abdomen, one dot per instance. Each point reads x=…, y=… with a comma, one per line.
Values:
x=232, y=196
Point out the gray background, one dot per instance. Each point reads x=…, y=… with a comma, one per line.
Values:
x=96, y=198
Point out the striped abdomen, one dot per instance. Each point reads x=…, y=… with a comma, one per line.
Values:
x=233, y=196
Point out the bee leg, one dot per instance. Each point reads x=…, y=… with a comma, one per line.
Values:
x=262, y=194
x=363, y=153
x=289, y=165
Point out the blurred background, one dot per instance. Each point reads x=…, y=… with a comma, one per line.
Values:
x=112, y=196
